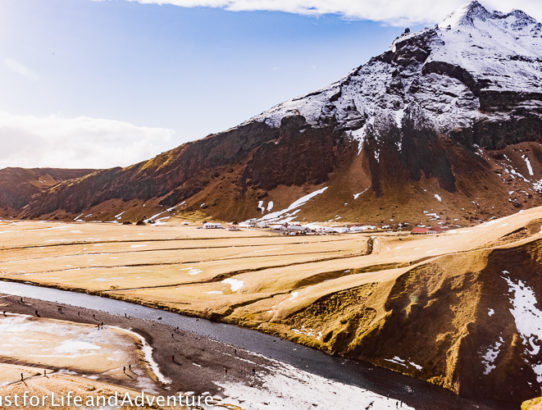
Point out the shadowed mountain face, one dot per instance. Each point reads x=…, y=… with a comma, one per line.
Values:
x=448, y=120
x=17, y=185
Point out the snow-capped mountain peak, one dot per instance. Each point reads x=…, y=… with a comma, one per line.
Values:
x=465, y=15
x=474, y=66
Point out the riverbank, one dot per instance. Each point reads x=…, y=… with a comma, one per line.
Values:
x=206, y=366
x=192, y=363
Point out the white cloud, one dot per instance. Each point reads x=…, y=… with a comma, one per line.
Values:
x=396, y=12
x=19, y=68
x=79, y=142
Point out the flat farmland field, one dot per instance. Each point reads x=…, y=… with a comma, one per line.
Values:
x=200, y=271
x=252, y=276
x=359, y=295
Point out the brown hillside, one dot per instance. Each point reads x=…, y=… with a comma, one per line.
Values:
x=17, y=185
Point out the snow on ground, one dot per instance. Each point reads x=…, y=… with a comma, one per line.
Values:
x=356, y=196
x=293, y=295
x=528, y=163
x=155, y=216
x=488, y=358
x=438, y=198
x=147, y=352
x=417, y=366
x=308, y=332
x=528, y=319
x=362, y=228
x=490, y=312
x=76, y=347
x=235, y=284
x=287, y=387
x=433, y=215
x=105, y=279
x=361, y=133
x=515, y=174
x=193, y=271
x=288, y=214
x=263, y=208
x=403, y=362
x=162, y=220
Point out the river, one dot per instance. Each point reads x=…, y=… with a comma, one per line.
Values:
x=413, y=392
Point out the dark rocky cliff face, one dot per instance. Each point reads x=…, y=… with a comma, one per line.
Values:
x=301, y=155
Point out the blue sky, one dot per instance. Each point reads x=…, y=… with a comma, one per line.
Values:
x=102, y=83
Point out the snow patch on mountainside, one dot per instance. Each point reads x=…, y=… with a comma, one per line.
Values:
x=490, y=355
x=528, y=320
x=528, y=164
x=289, y=214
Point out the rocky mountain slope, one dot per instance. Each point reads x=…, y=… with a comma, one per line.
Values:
x=18, y=185
x=446, y=122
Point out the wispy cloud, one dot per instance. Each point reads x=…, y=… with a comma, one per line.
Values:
x=79, y=142
x=19, y=68
x=396, y=12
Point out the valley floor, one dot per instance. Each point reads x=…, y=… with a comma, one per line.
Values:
x=335, y=293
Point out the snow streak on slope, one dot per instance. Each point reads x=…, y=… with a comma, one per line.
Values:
x=528, y=319
x=288, y=214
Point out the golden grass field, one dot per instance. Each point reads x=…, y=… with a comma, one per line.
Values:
x=205, y=272
x=322, y=291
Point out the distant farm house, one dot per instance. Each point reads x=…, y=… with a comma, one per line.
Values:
x=418, y=230
x=212, y=225
x=435, y=230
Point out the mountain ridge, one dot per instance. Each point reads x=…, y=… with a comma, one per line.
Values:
x=451, y=112
x=18, y=185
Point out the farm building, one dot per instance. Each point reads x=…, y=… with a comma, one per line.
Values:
x=212, y=225
x=418, y=230
x=295, y=228
x=434, y=230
